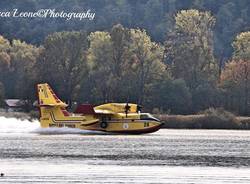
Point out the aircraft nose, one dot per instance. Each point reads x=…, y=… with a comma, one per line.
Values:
x=158, y=124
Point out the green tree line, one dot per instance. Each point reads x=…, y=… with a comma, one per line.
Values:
x=181, y=75
x=156, y=16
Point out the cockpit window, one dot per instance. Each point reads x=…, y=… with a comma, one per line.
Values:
x=144, y=116
x=147, y=116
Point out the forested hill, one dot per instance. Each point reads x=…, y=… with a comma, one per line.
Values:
x=156, y=16
x=171, y=56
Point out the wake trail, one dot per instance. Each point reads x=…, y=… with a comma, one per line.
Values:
x=13, y=125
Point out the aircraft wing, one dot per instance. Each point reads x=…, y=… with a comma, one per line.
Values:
x=104, y=111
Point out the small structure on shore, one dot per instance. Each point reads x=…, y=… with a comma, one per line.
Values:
x=2, y=175
x=15, y=105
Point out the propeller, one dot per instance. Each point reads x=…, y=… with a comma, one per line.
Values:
x=127, y=108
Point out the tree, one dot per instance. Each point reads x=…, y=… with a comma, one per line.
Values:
x=189, y=48
x=120, y=40
x=235, y=81
x=237, y=72
x=189, y=53
x=108, y=53
x=22, y=75
x=16, y=68
x=4, y=60
x=231, y=18
x=124, y=69
x=172, y=96
x=241, y=47
x=100, y=64
x=63, y=63
x=145, y=66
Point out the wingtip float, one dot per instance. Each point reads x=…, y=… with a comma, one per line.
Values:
x=123, y=118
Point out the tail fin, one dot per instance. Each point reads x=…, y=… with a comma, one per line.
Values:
x=53, y=112
x=50, y=105
x=47, y=97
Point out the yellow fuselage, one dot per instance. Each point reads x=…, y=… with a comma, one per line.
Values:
x=112, y=117
x=116, y=123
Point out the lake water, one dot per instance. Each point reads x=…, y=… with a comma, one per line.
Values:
x=29, y=154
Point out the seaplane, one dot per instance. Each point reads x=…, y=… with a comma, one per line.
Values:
x=121, y=118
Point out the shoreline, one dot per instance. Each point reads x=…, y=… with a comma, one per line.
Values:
x=203, y=121
x=200, y=121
